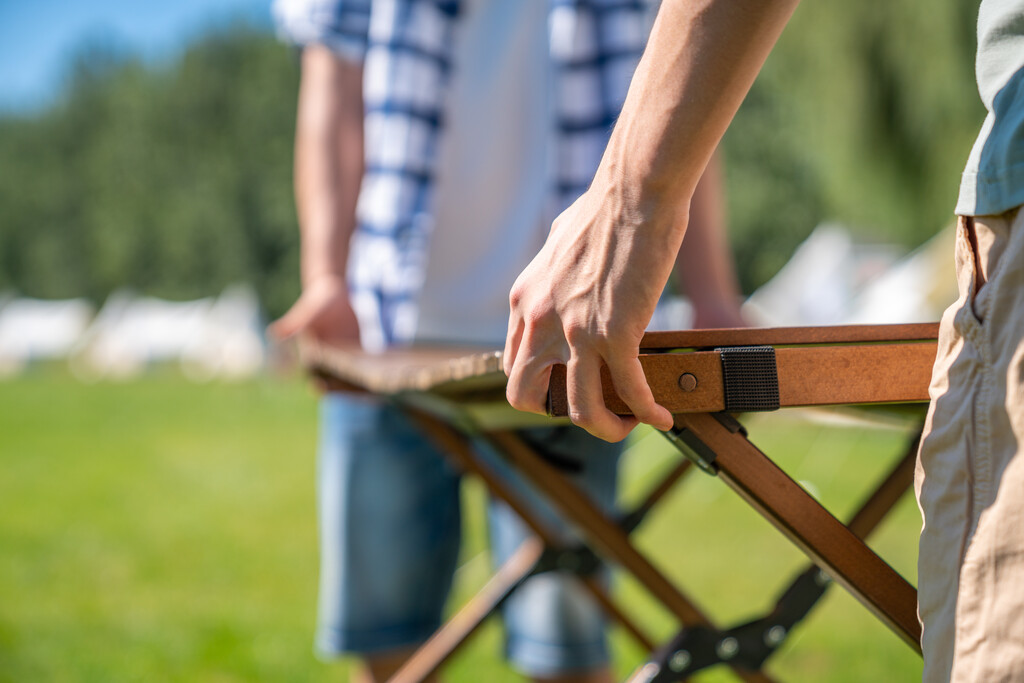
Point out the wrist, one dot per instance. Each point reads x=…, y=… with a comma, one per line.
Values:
x=646, y=205
x=324, y=278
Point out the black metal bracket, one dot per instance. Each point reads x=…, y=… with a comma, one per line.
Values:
x=748, y=645
x=750, y=378
x=577, y=559
x=632, y=519
x=690, y=445
x=544, y=442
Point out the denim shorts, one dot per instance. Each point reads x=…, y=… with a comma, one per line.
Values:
x=390, y=526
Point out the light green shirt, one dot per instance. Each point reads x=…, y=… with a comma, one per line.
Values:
x=993, y=181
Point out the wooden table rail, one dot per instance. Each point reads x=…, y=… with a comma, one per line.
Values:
x=886, y=364
x=701, y=376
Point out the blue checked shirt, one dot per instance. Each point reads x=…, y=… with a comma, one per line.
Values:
x=406, y=46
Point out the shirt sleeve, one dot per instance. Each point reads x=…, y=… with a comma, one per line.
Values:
x=340, y=25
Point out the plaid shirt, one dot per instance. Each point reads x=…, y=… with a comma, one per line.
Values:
x=407, y=47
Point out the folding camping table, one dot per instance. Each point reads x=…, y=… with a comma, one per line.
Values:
x=706, y=378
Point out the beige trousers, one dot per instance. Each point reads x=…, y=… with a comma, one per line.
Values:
x=970, y=473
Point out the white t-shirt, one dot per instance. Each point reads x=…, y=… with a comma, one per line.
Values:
x=493, y=202
x=484, y=118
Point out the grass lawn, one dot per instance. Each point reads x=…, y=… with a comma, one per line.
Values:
x=159, y=530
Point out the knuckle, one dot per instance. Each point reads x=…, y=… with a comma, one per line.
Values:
x=586, y=417
x=513, y=399
x=536, y=316
x=518, y=400
x=579, y=417
x=516, y=296
x=621, y=346
x=576, y=333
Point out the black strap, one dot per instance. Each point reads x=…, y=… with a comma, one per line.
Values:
x=750, y=378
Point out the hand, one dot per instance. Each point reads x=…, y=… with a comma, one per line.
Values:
x=585, y=300
x=323, y=311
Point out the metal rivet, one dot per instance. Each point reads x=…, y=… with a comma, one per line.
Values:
x=680, y=660
x=774, y=635
x=728, y=648
x=687, y=382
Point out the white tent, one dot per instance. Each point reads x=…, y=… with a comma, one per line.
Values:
x=230, y=344
x=818, y=284
x=37, y=329
x=832, y=280
x=210, y=337
x=916, y=289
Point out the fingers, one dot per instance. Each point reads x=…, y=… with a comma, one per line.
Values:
x=527, y=387
x=529, y=374
x=323, y=312
x=294, y=321
x=586, y=400
x=512, y=340
x=529, y=370
x=631, y=385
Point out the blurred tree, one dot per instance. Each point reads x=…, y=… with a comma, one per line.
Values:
x=864, y=113
x=176, y=179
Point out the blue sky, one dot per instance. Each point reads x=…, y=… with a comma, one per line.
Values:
x=37, y=37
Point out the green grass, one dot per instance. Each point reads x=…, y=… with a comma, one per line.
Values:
x=159, y=530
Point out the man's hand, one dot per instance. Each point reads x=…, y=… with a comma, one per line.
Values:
x=323, y=312
x=590, y=292
x=328, y=174
x=585, y=301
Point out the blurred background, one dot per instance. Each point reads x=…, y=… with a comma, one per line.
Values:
x=153, y=528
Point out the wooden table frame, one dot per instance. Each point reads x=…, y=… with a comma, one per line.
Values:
x=699, y=375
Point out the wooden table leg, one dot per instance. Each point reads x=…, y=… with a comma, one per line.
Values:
x=454, y=444
x=607, y=536
x=635, y=516
x=833, y=546
x=457, y=630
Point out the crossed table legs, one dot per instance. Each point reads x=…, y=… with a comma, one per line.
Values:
x=811, y=366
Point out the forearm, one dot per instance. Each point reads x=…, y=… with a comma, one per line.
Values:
x=587, y=297
x=704, y=266
x=701, y=60
x=328, y=161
